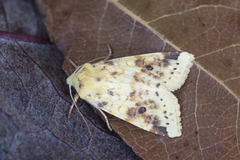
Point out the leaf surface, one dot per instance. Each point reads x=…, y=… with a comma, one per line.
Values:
x=34, y=98
x=209, y=99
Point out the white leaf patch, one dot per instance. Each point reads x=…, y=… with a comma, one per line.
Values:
x=137, y=89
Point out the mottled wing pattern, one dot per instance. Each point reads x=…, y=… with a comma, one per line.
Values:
x=165, y=69
x=137, y=88
x=148, y=108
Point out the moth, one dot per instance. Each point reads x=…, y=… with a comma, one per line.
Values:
x=137, y=89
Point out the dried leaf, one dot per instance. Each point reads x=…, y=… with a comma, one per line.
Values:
x=34, y=98
x=210, y=97
x=34, y=107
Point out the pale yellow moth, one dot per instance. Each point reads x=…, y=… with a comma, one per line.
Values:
x=137, y=89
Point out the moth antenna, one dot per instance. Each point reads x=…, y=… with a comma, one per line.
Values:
x=72, y=62
x=74, y=104
x=77, y=67
x=105, y=117
x=70, y=111
x=106, y=58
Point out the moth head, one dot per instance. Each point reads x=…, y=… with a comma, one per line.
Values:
x=71, y=81
x=79, y=74
x=86, y=79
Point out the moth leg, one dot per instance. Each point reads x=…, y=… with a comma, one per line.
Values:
x=105, y=117
x=76, y=96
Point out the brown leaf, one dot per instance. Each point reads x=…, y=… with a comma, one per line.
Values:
x=34, y=98
x=34, y=107
x=210, y=97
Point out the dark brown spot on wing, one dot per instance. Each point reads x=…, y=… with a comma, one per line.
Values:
x=156, y=128
x=131, y=112
x=132, y=94
x=110, y=63
x=159, y=130
x=158, y=64
x=156, y=121
x=157, y=85
x=147, y=118
x=165, y=63
x=161, y=74
x=156, y=106
x=113, y=73
x=136, y=78
x=110, y=92
x=102, y=104
x=99, y=95
x=156, y=77
x=103, y=68
x=157, y=94
x=172, y=55
x=138, y=104
x=98, y=79
x=142, y=110
x=151, y=101
x=139, y=62
x=80, y=85
x=148, y=67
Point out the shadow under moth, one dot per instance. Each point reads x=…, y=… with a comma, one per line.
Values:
x=137, y=89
